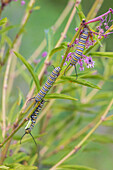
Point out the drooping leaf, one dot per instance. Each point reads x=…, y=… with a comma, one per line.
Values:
x=29, y=67
x=53, y=51
x=60, y=96
x=89, y=74
x=79, y=81
x=102, y=138
x=102, y=54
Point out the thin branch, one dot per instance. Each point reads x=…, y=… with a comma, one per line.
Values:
x=68, y=23
x=94, y=10
x=5, y=84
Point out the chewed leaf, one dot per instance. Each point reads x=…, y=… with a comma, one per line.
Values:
x=59, y=96
x=102, y=54
x=29, y=67
x=80, y=81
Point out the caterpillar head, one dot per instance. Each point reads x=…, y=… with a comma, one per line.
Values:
x=83, y=21
x=28, y=131
x=57, y=69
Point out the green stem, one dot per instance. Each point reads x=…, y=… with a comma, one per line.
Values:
x=68, y=48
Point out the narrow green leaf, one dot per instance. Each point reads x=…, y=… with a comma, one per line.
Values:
x=11, y=115
x=8, y=40
x=81, y=14
x=89, y=74
x=49, y=38
x=102, y=138
x=20, y=99
x=102, y=54
x=7, y=29
x=29, y=67
x=56, y=50
x=74, y=167
x=33, y=159
x=59, y=96
x=79, y=81
x=3, y=21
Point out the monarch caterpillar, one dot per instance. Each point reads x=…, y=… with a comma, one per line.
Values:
x=32, y=121
x=41, y=94
x=79, y=48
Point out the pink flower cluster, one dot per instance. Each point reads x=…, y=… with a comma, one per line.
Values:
x=87, y=60
x=105, y=20
x=22, y=2
x=68, y=58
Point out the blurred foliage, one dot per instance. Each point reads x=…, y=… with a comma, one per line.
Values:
x=73, y=105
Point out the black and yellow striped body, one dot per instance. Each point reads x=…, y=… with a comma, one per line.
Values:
x=80, y=47
x=48, y=84
x=32, y=121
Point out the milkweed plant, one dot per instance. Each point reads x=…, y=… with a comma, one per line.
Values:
x=56, y=104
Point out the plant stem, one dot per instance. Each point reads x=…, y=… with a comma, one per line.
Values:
x=68, y=48
x=77, y=148
x=98, y=18
x=5, y=84
x=68, y=24
x=94, y=10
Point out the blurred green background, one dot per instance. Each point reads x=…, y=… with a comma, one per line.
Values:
x=101, y=158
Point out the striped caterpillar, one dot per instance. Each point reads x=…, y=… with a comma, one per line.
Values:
x=32, y=120
x=46, y=87
x=79, y=49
